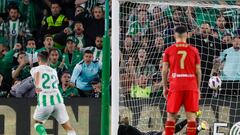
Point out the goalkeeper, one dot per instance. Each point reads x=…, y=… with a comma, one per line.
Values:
x=125, y=129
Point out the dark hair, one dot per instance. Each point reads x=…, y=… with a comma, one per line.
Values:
x=236, y=37
x=157, y=7
x=88, y=52
x=181, y=30
x=76, y=22
x=20, y=53
x=179, y=9
x=97, y=6
x=95, y=81
x=99, y=36
x=31, y=39
x=128, y=36
x=227, y=34
x=55, y=2
x=43, y=55
x=53, y=49
x=220, y=16
x=14, y=7
x=65, y=72
x=47, y=35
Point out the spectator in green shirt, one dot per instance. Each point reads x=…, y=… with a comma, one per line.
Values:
x=65, y=88
x=77, y=31
x=206, y=15
x=54, y=61
x=134, y=13
x=97, y=49
x=48, y=44
x=140, y=26
x=31, y=51
x=27, y=9
x=71, y=55
x=22, y=70
x=220, y=30
x=6, y=59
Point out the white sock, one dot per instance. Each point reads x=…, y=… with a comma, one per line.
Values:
x=72, y=132
x=199, y=128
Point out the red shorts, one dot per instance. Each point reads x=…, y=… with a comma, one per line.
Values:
x=176, y=99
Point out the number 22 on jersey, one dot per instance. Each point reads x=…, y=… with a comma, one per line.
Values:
x=49, y=81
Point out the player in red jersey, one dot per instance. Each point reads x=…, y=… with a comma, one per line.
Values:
x=184, y=79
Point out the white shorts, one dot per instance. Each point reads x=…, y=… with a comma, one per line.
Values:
x=58, y=111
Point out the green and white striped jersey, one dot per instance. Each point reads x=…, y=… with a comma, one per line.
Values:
x=3, y=5
x=49, y=94
x=97, y=53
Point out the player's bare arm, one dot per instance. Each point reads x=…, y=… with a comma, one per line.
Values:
x=164, y=78
x=199, y=77
x=37, y=82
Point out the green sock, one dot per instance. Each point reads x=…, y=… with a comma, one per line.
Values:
x=40, y=129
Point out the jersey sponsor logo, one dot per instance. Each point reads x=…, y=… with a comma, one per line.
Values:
x=53, y=91
x=175, y=75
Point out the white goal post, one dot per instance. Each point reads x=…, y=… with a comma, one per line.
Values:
x=115, y=67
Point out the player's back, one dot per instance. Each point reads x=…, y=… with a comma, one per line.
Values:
x=49, y=94
x=182, y=59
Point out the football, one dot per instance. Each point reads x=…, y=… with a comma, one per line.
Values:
x=215, y=82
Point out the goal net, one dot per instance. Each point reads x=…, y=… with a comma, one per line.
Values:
x=143, y=29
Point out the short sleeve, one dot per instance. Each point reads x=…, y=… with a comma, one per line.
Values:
x=166, y=56
x=33, y=71
x=197, y=57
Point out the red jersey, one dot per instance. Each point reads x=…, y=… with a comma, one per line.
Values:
x=182, y=59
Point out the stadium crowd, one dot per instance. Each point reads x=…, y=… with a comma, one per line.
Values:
x=147, y=30
x=70, y=30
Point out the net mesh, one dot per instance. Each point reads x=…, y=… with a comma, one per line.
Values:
x=146, y=30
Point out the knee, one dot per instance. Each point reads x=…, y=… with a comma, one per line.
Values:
x=191, y=116
x=38, y=122
x=171, y=116
x=67, y=126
